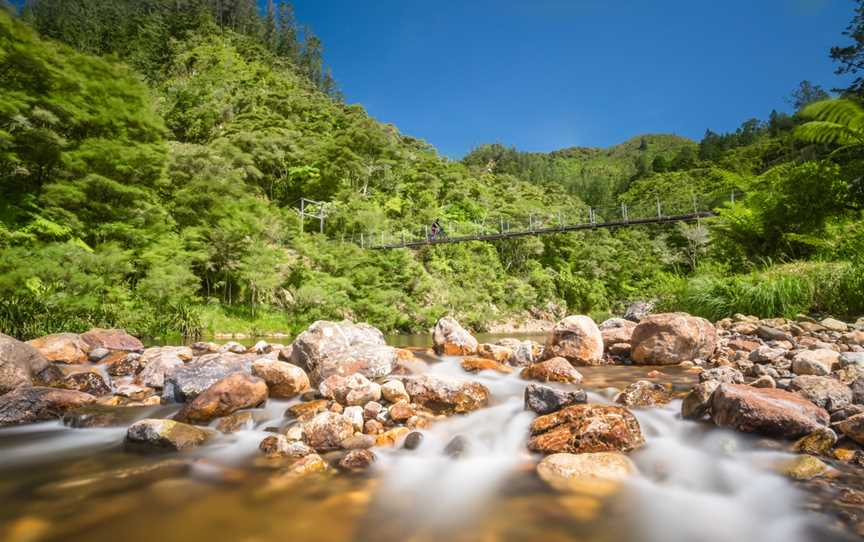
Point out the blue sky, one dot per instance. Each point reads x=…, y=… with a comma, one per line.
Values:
x=547, y=74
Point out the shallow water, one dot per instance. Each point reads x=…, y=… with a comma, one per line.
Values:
x=695, y=483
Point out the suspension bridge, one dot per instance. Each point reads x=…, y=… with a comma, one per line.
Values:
x=495, y=228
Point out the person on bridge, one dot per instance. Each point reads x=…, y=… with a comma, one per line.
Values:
x=436, y=230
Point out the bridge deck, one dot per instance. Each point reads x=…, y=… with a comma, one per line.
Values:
x=690, y=217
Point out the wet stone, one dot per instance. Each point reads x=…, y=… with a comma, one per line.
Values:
x=545, y=399
x=457, y=447
x=357, y=460
x=413, y=440
x=101, y=416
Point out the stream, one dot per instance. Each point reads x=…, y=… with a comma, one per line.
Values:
x=695, y=483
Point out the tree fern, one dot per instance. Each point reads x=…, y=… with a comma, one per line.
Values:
x=835, y=122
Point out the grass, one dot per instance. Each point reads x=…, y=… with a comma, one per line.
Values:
x=241, y=319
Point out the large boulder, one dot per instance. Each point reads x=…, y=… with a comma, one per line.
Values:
x=586, y=428
x=822, y=391
x=552, y=370
x=577, y=339
x=446, y=395
x=234, y=392
x=451, y=339
x=670, y=338
x=19, y=364
x=158, y=361
x=327, y=430
x=283, y=379
x=62, y=347
x=36, y=404
x=187, y=381
x=766, y=411
x=112, y=339
x=166, y=434
x=342, y=348
x=545, y=399
x=588, y=472
x=616, y=331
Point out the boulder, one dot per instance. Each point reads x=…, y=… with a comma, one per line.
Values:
x=822, y=391
x=112, y=339
x=616, y=331
x=697, y=403
x=834, y=325
x=327, y=430
x=402, y=411
x=495, y=352
x=552, y=370
x=62, y=348
x=451, y=339
x=767, y=354
x=523, y=353
x=159, y=361
x=394, y=391
x=723, y=374
x=643, y=394
x=475, y=365
x=98, y=354
x=577, y=339
x=189, y=380
x=357, y=460
x=587, y=472
x=638, y=310
x=586, y=428
x=766, y=411
x=234, y=392
x=88, y=382
x=817, y=362
x=166, y=434
x=446, y=395
x=283, y=379
x=544, y=399
x=123, y=364
x=817, y=443
x=670, y=338
x=342, y=348
x=853, y=427
x=355, y=389
x=35, y=404
x=19, y=364
x=275, y=446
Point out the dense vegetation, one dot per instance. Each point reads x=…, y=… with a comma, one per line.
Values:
x=149, y=174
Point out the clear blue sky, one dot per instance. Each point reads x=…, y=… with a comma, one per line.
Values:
x=547, y=74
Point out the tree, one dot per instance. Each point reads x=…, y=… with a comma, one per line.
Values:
x=851, y=57
x=806, y=94
x=271, y=38
x=287, y=45
x=685, y=159
x=660, y=164
x=310, y=57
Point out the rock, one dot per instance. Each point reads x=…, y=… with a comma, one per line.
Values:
x=284, y=380
x=133, y=391
x=766, y=354
x=235, y=422
x=327, y=430
x=306, y=465
x=160, y=361
x=853, y=338
x=93, y=415
x=524, y=353
x=357, y=460
x=585, y=472
x=669, y=339
x=274, y=446
x=168, y=434
x=577, y=339
x=306, y=410
x=355, y=389
x=123, y=364
x=818, y=442
x=62, y=348
x=457, y=447
x=853, y=427
x=88, y=382
x=475, y=365
x=394, y=391
x=620, y=350
x=638, y=310
x=354, y=414
x=234, y=392
x=643, y=394
x=494, y=352
x=616, y=331
x=803, y=467
x=814, y=362
x=98, y=354
x=35, y=404
x=834, y=325
x=586, y=428
x=697, y=403
x=343, y=348
x=358, y=441
x=772, y=334
x=764, y=381
x=20, y=363
x=261, y=347
x=723, y=374
x=446, y=395
x=857, y=387
x=373, y=427
x=451, y=339
x=112, y=339
x=402, y=411
x=544, y=399
x=189, y=380
x=392, y=437
x=413, y=440
x=822, y=391
x=849, y=359
x=769, y=412
x=744, y=345
x=552, y=370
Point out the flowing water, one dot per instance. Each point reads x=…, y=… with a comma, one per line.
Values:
x=695, y=483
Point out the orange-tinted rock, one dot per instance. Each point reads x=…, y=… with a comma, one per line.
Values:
x=446, y=395
x=766, y=411
x=616, y=331
x=474, y=365
x=232, y=393
x=586, y=428
x=62, y=348
x=283, y=379
x=552, y=370
x=112, y=339
x=577, y=339
x=669, y=339
x=452, y=339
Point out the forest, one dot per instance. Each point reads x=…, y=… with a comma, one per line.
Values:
x=152, y=154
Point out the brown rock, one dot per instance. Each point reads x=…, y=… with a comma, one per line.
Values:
x=357, y=460
x=35, y=404
x=766, y=411
x=446, y=395
x=451, y=339
x=20, y=363
x=822, y=391
x=232, y=393
x=669, y=339
x=577, y=339
x=475, y=365
x=62, y=348
x=166, y=434
x=306, y=410
x=552, y=370
x=853, y=427
x=617, y=331
x=697, y=403
x=494, y=352
x=585, y=472
x=235, y=422
x=586, y=428
x=88, y=382
x=643, y=394
x=283, y=379
x=327, y=430
x=112, y=339
x=400, y=412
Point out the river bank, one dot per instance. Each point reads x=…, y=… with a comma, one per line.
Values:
x=621, y=431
